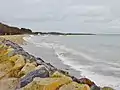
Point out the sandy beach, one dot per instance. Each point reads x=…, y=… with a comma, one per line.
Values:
x=14, y=38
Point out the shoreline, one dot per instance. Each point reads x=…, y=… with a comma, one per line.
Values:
x=55, y=61
x=49, y=55
x=51, y=69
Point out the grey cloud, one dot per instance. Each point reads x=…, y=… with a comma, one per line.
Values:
x=63, y=15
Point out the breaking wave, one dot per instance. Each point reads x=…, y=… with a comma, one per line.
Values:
x=67, y=56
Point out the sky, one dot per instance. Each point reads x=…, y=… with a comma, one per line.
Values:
x=94, y=16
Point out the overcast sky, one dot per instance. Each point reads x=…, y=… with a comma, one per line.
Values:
x=96, y=16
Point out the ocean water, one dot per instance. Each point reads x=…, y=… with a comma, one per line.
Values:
x=96, y=57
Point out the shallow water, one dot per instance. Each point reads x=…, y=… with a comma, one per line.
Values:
x=96, y=57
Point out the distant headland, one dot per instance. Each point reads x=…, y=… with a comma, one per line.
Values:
x=59, y=33
x=10, y=30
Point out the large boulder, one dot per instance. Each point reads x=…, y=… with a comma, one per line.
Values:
x=19, y=63
x=27, y=69
x=95, y=87
x=42, y=73
x=12, y=45
x=84, y=81
x=9, y=84
x=3, y=53
x=50, y=67
x=19, y=50
x=47, y=83
x=74, y=86
x=5, y=68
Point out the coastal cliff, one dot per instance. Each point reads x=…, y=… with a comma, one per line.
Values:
x=9, y=30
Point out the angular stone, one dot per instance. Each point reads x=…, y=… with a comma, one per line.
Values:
x=5, y=68
x=3, y=55
x=3, y=51
x=50, y=67
x=47, y=83
x=8, y=84
x=10, y=52
x=75, y=79
x=20, y=62
x=74, y=86
x=94, y=87
x=14, y=58
x=42, y=73
x=40, y=66
x=64, y=72
x=6, y=54
x=86, y=81
x=11, y=44
x=19, y=50
x=39, y=61
x=27, y=69
x=58, y=74
x=3, y=47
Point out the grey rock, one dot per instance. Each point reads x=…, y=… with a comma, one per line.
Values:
x=50, y=67
x=19, y=50
x=42, y=73
x=39, y=61
x=12, y=44
x=94, y=87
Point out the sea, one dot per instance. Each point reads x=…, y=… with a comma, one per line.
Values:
x=96, y=57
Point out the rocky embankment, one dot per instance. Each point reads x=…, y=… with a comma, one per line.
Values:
x=21, y=71
x=9, y=30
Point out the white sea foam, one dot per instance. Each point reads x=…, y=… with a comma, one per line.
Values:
x=29, y=38
x=98, y=79
x=61, y=49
